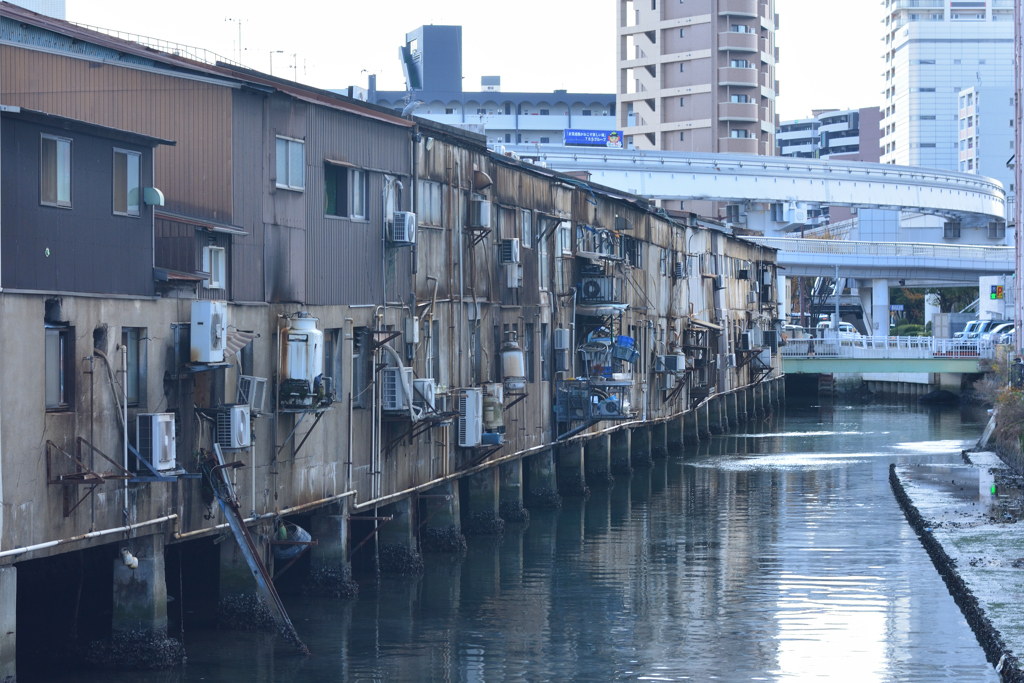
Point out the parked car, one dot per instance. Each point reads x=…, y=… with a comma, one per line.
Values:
x=984, y=327
x=1008, y=337
x=794, y=332
x=967, y=330
x=992, y=336
x=845, y=330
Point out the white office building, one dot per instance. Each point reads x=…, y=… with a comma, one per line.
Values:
x=798, y=138
x=934, y=49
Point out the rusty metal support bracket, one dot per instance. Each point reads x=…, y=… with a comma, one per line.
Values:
x=519, y=398
x=391, y=334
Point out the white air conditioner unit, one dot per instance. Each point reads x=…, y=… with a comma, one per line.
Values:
x=562, y=339
x=233, y=428
x=757, y=337
x=155, y=438
x=746, y=341
x=393, y=383
x=751, y=297
x=510, y=251
x=423, y=397
x=671, y=364
x=766, y=278
x=470, y=418
x=764, y=358
x=403, y=228
x=209, y=331
x=513, y=275
x=479, y=213
x=730, y=360
x=252, y=391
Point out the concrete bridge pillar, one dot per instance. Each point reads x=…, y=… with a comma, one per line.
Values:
x=874, y=296
x=571, y=478
x=479, y=502
x=441, y=528
x=715, y=415
x=703, y=421
x=510, y=494
x=396, y=540
x=597, y=460
x=542, y=480
x=640, y=454
x=676, y=432
x=330, y=573
x=659, y=440
x=620, y=443
x=8, y=623
x=691, y=432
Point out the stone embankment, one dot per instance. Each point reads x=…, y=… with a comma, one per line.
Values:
x=966, y=518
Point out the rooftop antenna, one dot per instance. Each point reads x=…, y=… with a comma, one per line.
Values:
x=239, y=22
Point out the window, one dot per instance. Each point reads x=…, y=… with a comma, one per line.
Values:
x=543, y=266
x=59, y=353
x=682, y=101
x=588, y=112
x=739, y=28
x=682, y=33
x=291, y=164
x=925, y=117
x=527, y=240
x=739, y=63
x=332, y=356
x=449, y=110
x=215, y=263
x=740, y=133
x=133, y=339
x=545, y=353
x=739, y=99
x=55, y=171
x=362, y=358
x=428, y=203
x=545, y=141
x=663, y=264
x=358, y=187
x=565, y=238
x=682, y=66
x=682, y=135
x=545, y=112
x=508, y=137
x=126, y=182
x=531, y=371
x=481, y=112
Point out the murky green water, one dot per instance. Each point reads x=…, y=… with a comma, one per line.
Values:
x=775, y=554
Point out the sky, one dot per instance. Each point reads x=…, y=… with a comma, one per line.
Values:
x=534, y=45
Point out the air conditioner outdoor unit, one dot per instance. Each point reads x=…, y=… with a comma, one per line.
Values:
x=479, y=213
x=393, y=381
x=423, y=397
x=252, y=391
x=233, y=428
x=599, y=288
x=730, y=360
x=513, y=275
x=746, y=341
x=756, y=336
x=403, y=228
x=470, y=418
x=719, y=282
x=764, y=358
x=671, y=364
x=562, y=339
x=766, y=278
x=510, y=251
x=155, y=438
x=209, y=333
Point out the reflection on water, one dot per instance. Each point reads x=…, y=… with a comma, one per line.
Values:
x=778, y=554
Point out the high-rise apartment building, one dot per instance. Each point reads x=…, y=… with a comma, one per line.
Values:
x=850, y=135
x=933, y=50
x=698, y=75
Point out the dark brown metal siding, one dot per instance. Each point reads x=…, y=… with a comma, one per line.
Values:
x=82, y=249
x=248, y=188
x=344, y=257
x=195, y=175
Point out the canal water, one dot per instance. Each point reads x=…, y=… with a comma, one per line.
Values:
x=774, y=554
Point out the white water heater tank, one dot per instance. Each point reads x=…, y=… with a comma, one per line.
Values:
x=513, y=366
x=302, y=350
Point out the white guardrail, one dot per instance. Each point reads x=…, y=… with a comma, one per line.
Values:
x=887, y=347
x=906, y=249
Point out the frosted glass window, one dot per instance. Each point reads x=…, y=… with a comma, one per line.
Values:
x=55, y=171
x=291, y=164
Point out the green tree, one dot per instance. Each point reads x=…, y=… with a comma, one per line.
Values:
x=954, y=299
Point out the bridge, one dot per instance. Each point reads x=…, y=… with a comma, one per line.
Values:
x=885, y=354
x=940, y=263
x=738, y=178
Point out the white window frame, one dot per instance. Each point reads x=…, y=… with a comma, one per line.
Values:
x=291, y=145
x=62, y=204
x=364, y=183
x=215, y=263
x=130, y=210
x=526, y=218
